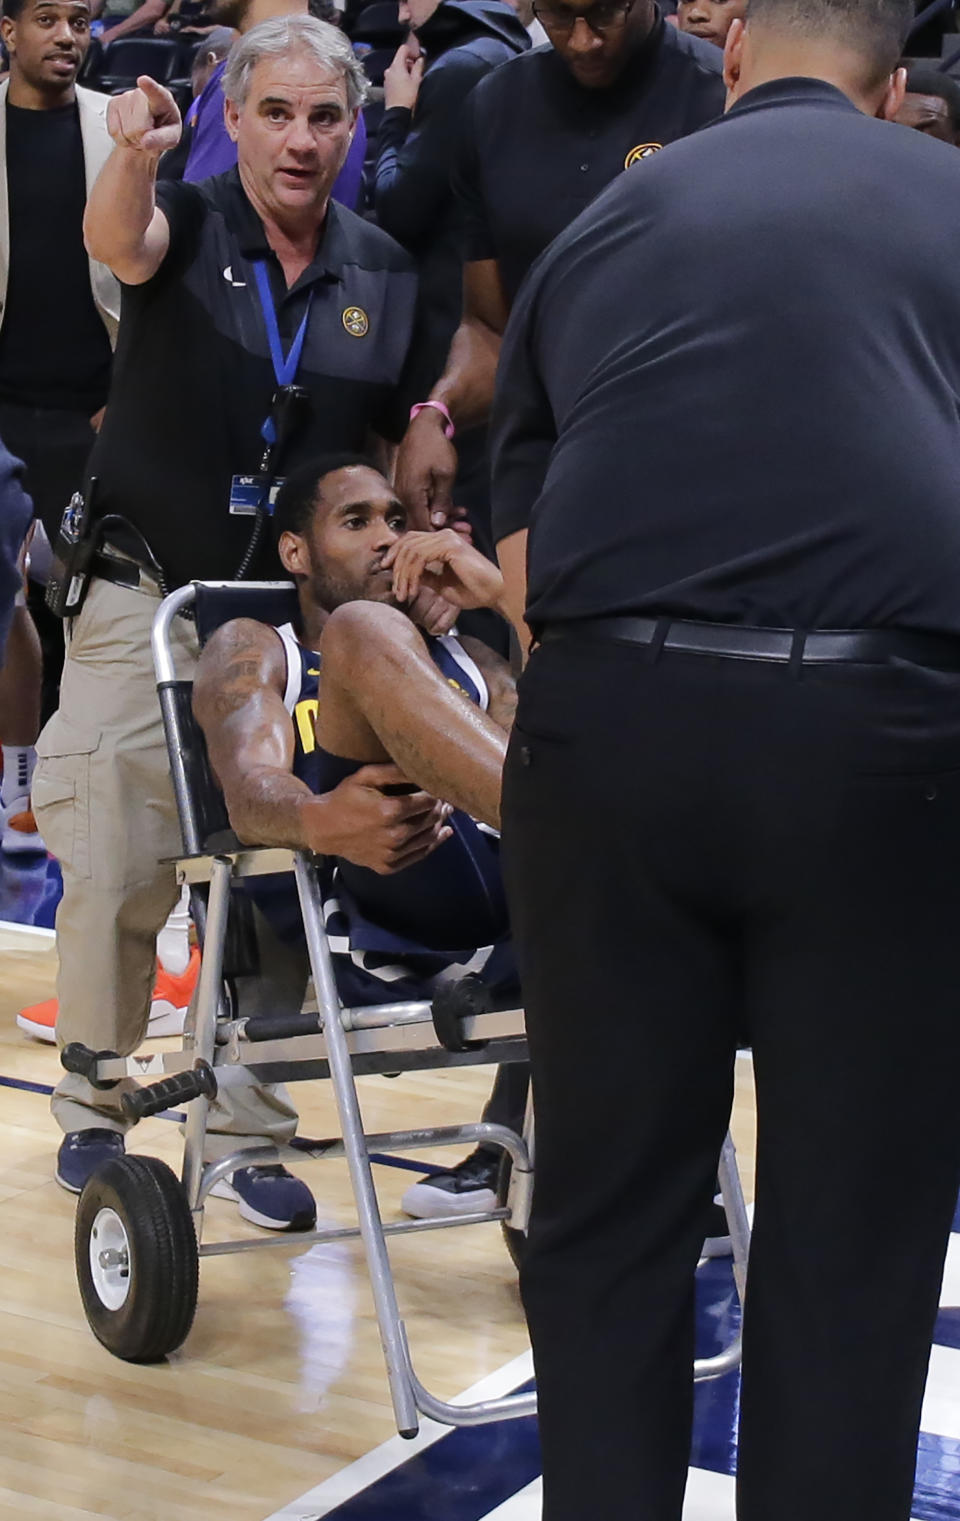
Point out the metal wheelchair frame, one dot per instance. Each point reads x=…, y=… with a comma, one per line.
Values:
x=327, y=1039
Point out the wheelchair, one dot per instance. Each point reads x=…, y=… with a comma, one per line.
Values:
x=139, y=1229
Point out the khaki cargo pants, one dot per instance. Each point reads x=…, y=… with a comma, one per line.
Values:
x=104, y=803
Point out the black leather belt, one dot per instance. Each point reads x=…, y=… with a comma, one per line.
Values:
x=121, y=571
x=781, y=645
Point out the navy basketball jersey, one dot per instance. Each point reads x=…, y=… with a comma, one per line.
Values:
x=439, y=917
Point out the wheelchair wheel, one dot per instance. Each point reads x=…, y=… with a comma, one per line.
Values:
x=516, y=1240
x=136, y=1258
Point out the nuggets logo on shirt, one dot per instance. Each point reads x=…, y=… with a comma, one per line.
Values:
x=641, y=151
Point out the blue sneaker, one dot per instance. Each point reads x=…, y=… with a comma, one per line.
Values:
x=82, y=1152
x=270, y=1197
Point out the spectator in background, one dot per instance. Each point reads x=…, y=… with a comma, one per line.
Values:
x=932, y=105
x=127, y=18
x=452, y=45
x=213, y=52
x=544, y=134
x=207, y=58
x=212, y=151
x=58, y=320
x=709, y=19
x=187, y=20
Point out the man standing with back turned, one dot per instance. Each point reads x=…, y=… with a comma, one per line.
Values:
x=744, y=576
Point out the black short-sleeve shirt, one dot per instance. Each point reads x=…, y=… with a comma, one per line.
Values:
x=538, y=147
x=731, y=390
x=193, y=378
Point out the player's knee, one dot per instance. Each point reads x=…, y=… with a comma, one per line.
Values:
x=356, y=629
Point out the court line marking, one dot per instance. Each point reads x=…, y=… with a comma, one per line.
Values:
x=10, y=930
x=365, y=1471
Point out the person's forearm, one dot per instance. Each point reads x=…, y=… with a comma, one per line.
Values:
x=466, y=386
x=268, y=808
x=145, y=16
x=120, y=208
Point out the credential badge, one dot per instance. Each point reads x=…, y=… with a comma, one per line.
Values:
x=356, y=322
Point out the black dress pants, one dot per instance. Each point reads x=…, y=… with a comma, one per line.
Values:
x=698, y=848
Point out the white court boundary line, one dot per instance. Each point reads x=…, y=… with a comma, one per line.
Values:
x=365, y=1471
x=11, y=932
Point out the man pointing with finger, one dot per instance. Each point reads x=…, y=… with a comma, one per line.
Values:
x=237, y=290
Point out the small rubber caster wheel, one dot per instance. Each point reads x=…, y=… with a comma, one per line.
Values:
x=136, y=1258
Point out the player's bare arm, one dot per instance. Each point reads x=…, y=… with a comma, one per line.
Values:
x=238, y=703
x=501, y=682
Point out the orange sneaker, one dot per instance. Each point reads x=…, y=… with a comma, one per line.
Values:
x=20, y=833
x=168, y=1007
x=171, y=997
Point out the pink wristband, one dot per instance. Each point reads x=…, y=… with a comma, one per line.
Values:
x=438, y=406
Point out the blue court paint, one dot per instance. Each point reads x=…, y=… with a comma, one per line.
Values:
x=463, y=1477
x=947, y=1332
x=716, y=1404
x=30, y=889
x=425, y=1169
x=936, y=1496
x=25, y=1087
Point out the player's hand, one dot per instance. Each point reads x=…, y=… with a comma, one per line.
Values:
x=425, y=470
x=445, y=563
x=363, y=824
x=401, y=81
x=146, y=118
x=431, y=612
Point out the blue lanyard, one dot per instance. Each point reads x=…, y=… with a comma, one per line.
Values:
x=285, y=367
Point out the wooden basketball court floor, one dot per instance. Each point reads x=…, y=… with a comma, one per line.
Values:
x=276, y=1408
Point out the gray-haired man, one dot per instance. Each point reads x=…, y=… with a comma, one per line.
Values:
x=232, y=288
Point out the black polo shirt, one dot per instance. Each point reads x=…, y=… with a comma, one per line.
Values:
x=538, y=147
x=731, y=390
x=193, y=379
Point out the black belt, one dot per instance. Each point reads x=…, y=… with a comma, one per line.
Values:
x=781, y=645
x=122, y=572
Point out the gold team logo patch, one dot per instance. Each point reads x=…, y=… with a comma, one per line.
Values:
x=356, y=322
x=640, y=152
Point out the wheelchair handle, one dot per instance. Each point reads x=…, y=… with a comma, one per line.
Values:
x=79, y=1059
x=200, y=1082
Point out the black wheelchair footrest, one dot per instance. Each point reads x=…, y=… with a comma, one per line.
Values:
x=80, y=1060
x=179, y=1089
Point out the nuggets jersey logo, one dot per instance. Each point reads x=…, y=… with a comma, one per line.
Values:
x=640, y=152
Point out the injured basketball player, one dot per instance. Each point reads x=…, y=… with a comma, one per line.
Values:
x=356, y=734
